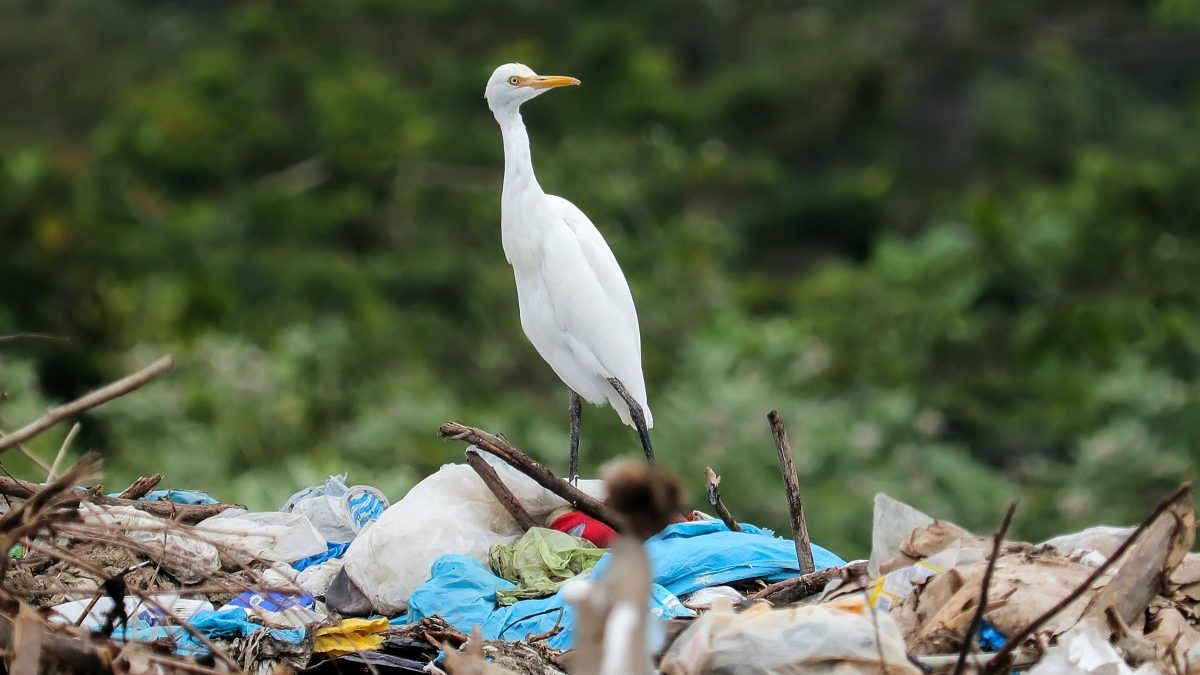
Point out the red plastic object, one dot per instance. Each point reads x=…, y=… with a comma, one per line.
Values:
x=579, y=525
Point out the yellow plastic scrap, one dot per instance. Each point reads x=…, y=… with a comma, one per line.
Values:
x=351, y=635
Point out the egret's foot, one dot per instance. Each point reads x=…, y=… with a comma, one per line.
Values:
x=639, y=418
x=576, y=412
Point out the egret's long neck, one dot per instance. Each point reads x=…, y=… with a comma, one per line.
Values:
x=518, y=164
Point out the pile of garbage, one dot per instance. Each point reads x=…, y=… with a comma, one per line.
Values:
x=482, y=568
x=497, y=565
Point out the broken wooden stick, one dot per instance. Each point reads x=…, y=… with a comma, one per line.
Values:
x=1002, y=659
x=714, y=498
x=141, y=487
x=797, y=588
x=184, y=513
x=977, y=619
x=795, y=506
x=503, y=495
x=512, y=456
x=97, y=398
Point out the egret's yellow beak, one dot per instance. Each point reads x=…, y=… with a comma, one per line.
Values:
x=548, y=81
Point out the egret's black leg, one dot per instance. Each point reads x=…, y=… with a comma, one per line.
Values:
x=639, y=418
x=576, y=418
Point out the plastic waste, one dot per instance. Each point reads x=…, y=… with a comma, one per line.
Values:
x=187, y=558
x=892, y=522
x=179, y=497
x=287, y=610
x=1091, y=546
x=451, y=511
x=332, y=552
x=697, y=554
x=790, y=640
x=315, y=579
x=338, y=512
x=135, y=608
x=581, y=525
x=463, y=593
x=704, y=598
x=892, y=588
x=351, y=635
x=228, y=623
x=540, y=561
x=272, y=535
x=1084, y=650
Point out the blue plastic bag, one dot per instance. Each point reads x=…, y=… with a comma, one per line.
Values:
x=685, y=557
x=228, y=623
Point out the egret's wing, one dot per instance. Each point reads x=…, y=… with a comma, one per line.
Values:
x=591, y=299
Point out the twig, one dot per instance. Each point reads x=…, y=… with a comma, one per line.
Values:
x=513, y=456
x=1001, y=660
x=62, y=451
x=798, y=588
x=795, y=506
x=140, y=487
x=184, y=513
x=977, y=619
x=32, y=336
x=91, y=605
x=714, y=498
x=41, y=463
x=96, y=398
x=505, y=496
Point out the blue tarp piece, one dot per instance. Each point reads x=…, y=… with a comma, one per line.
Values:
x=990, y=639
x=701, y=553
x=229, y=623
x=334, y=550
x=685, y=557
x=463, y=592
x=177, y=496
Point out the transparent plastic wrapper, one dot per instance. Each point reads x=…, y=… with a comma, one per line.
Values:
x=338, y=512
x=1091, y=546
x=272, y=536
x=1085, y=650
x=450, y=512
x=836, y=638
x=189, y=559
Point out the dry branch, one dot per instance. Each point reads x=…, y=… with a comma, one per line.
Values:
x=505, y=496
x=141, y=487
x=714, y=498
x=977, y=619
x=795, y=505
x=184, y=513
x=798, y=588
x=96, y=398
x=525, y=464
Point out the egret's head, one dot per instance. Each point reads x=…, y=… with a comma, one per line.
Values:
x=514, y=83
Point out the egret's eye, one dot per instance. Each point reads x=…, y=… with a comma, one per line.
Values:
x=514, y=80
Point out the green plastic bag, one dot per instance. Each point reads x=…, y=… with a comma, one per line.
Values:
x=540, y=561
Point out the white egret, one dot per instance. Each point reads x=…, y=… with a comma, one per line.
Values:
x=575, y=304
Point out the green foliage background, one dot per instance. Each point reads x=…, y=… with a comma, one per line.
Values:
x=955, y=243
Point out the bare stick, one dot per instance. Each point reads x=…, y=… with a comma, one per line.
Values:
x=977, y=619
x=184, y=513
x=41, y=463
x=1001, y=660
x=795, y=505
x=140, y=487
x=714, y=498
x=62, y=451
x=526, y=465
x=96, y=398
x=505, y=496
x=798, y=588
x=32, y=336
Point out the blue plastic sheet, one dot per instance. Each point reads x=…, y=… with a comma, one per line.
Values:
x=177, y=496
x=333, y=550
x=228, y=623
x=685, y=557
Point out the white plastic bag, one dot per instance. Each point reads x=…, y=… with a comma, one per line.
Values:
x=272, y=536
x=835, y=637
x=189, y=559
x=451, y=511
x=69, y=612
